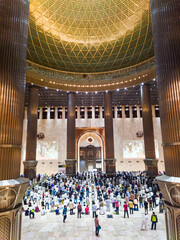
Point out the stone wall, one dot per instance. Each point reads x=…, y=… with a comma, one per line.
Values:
x=125, y=130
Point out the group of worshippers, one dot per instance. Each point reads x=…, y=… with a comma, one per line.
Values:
x=126, y=192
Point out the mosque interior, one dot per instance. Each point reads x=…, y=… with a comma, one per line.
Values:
x=88, y=86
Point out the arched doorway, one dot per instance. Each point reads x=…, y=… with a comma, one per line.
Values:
x=90, y=152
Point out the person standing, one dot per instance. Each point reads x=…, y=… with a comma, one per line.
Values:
x=64, y=213
x=71, y=207
x=144, y=221
x=94, y=208
x=154, y=220
x=130, y=207
x=79, y=209
x=146, y=206
x=117, y=207
x=125, y=210
x=97, y=226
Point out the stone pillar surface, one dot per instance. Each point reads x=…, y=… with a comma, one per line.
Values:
x=30, y=163
x=100, y=112
x=78, y=113
x=109, y=139
x=166, y=34
x=123, y=112
x=138, y=112
x=13, y=48
x=71, y=161
x=150, y=156
x=93, y=112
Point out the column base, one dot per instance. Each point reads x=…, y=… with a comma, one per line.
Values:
x=30, y=169
x=11, y=194
x=151, y=167
x=71, y=167
x=110, y=167
x=170, y=188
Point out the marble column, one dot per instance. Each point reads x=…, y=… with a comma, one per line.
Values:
x=150, y=156
x=166, y=34
x=109, y=139
x=138, y=111
x=78, y=113
x=25, y=113
x=93, y=112
x=123, y=112
x=153, y=111
x=71, y=161
x=13, y=48
x=130, y=112
x=115, y=112
x=40, y=113
x=100, y=112
x=85, y=113
x=48, y=112
x=63, y=112
x=55, y=113
x=32, y=117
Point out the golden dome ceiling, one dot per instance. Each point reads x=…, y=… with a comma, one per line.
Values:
x=89, y=36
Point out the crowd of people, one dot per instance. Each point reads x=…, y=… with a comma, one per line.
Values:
x=94, y=193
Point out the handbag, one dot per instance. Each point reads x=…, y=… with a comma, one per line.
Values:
x=99, y=227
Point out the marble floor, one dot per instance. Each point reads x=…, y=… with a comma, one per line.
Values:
x=51, y=227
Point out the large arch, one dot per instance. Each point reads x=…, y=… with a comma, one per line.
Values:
x=82, y=141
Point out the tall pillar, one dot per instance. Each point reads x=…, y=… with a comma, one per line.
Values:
x=123, y=112
x=48, y=112
x=150, y=156
x=153, y=111
x=78, y=113
x=55, y=113
x=100, y=113
x=138, y=111
x=130, y=112
x=115, y=112
x=40, y=113
x=109, y=139
x=13, y=46
x=166, y=34
x=30, y=163
x=93, y=112
x=63, y=112
x=85, y=112
x=71, y=161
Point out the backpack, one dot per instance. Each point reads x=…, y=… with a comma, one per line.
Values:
x=79, y=208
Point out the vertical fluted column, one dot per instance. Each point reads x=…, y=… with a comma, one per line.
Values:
x=30, y=163
x=130, y=112
x=13, y=47
x=109, y=138
x=100, y=112
x=70, y=161
x=85, y=112
x=138, y=112
x=153, y=111
x=25, y=113
x=78, y=113
x=40, y=112
x=93, y=112
x=115, y=112
x=123, y=112
x=150, y=157
x=48, y=112
x=166, y=34
x=63, y=112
